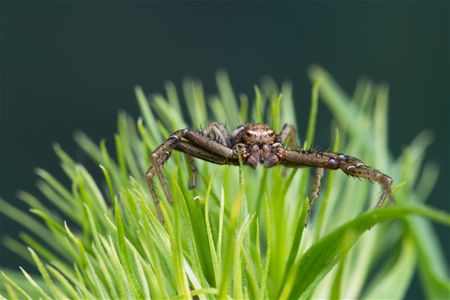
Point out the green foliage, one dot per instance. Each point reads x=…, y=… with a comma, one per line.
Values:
x=240, y=233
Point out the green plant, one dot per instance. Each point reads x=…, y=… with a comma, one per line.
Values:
x=240, y=233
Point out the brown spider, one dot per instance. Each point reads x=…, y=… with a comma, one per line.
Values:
x=254, y=144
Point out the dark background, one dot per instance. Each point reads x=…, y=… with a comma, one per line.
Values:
x=74, y=65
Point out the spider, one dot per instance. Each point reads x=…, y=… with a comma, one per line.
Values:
x=253, y=144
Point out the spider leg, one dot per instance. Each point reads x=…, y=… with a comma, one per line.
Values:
x=288, y=135
x=355, y=167
x=315, y=190
x=218, y=131
x=159, y=157
x=209, y=145
x=195, y=151
x=196, y=145
x=348, y=164
x=194, y=172
x=191, y=151
x=359, y=169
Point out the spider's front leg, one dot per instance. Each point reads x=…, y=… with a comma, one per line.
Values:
x=159, y=157
x=192, y=143
x=355, y=167
x=348, y=164
x=216, y=131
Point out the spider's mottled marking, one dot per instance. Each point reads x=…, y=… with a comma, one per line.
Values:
x=255, y=143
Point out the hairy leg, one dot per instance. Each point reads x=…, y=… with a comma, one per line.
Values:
x=315, y=189
x=288, y=138
x=208, y=144
x=348, y=164
x=191, y=151
x=363, y=171
x=159, y=157
x=196, y=145
x=354, y=167
x=195, y=151
x=194, y=172
x=288, y=135
x=218, y=132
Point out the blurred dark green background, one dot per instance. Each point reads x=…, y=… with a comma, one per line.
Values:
x=73, y=66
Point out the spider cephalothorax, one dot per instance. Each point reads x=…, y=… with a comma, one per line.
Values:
x=255, y=144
